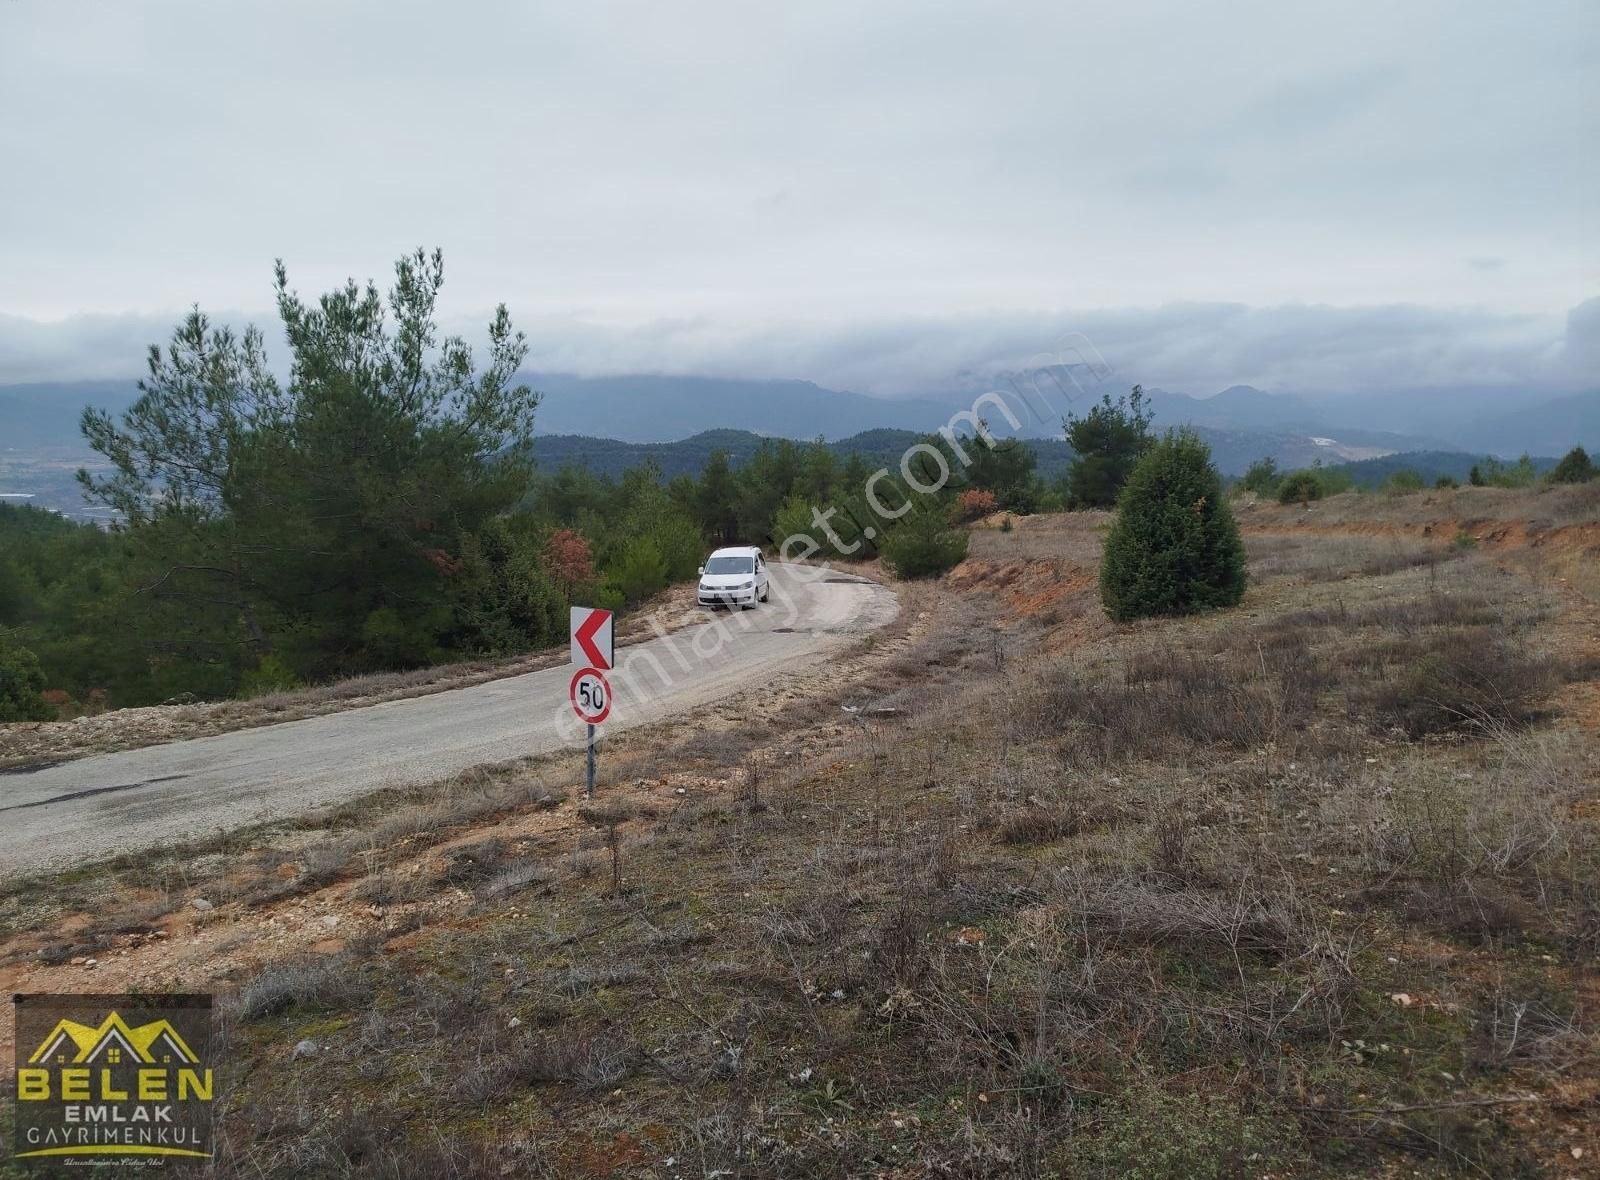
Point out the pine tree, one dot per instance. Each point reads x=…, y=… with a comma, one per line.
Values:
x=1107, y=443
x=923, y=545
x=1175, y=547
x=1575, y=467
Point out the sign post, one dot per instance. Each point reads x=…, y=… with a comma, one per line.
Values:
x=593, y=651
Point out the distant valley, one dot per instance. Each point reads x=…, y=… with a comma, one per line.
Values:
x=608, y=424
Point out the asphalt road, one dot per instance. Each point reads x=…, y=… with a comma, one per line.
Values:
x=58, y=816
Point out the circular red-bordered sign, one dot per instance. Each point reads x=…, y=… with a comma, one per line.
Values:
x=590, y=695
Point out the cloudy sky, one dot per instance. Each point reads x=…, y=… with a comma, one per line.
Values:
x=1313, y=196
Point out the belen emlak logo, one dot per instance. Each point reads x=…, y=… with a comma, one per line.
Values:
x=110, y=1087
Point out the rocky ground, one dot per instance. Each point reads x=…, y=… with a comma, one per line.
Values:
x=1308, y=888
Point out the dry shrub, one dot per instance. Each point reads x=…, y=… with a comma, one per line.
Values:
x=513, y=878
x=1246, y=919
x=472, y=863
x=822, y=919
x=1526, y=1022
x=1036, y=824
x=1471, y=679
x=1159, y=702
x=1482, y=911
x=1172, y=853
x=316, y=983
x=900, y=947
x=1493, y=851
x=591, y=1060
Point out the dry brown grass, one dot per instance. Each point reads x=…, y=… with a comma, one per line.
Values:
x=1530, y=509
x=1191, y=898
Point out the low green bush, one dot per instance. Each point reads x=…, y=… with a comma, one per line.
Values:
x=1299, y=488
x=923, y=545
x=21, y=684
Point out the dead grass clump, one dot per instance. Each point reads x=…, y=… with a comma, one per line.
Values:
x=1035, y=824
x=1316, y=559
x=341, y=1142
x=318, y=866
x=1136, y=912
x=1482, y=911
x=471, y=796
x=320, y=983
x=387, y=888
x=1468, y=606
x=1463, y=679
x=588, y=977
x=141, y=918
x=472, y=863
x=716, y=749
x=591, y=1060
x=513, y=878
x=1183, y=698
x=1159, y=1136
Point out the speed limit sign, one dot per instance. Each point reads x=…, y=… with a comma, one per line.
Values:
x=591, y=696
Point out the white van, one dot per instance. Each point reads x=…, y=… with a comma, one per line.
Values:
x=734, y=577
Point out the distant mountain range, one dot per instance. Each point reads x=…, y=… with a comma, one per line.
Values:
x=590, y=419
x=1233, y=452
x=46, y=416
x=611, y=457
x=1242, y=423
x=648, y=409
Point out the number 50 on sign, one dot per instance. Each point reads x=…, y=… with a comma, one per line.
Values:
x=591, y=696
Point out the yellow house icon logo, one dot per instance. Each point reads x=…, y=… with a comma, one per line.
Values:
x=113, y=1042
x=112, y=1088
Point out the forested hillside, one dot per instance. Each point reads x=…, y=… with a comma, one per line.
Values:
x=611, y=458
x=380, y=510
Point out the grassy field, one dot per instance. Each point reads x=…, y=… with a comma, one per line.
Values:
x=1306, y=888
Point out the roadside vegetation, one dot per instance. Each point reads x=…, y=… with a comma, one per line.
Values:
x=377, y=513
x=1303, y=888
x=361, y=521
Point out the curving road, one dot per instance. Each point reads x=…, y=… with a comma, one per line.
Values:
x=59, y=816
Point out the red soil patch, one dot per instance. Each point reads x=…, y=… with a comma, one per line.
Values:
x=1027, y=587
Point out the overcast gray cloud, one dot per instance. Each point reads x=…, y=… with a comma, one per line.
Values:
x=1311, y=196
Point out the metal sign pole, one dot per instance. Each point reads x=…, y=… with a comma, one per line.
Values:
x=590, y=781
